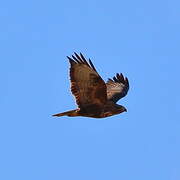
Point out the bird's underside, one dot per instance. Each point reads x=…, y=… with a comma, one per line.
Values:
x=94, y=97
x=109, y=109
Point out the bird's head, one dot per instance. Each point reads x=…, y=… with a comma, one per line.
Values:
x=117, y=109
x=121, y=109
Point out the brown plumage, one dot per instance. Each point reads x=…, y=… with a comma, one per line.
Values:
x=94, y=97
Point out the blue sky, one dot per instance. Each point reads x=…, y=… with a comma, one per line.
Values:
x=138, y=38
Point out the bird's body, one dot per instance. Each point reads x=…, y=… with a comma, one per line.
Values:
x=94, y=97
x=109, y=109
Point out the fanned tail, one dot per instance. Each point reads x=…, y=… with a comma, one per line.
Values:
x=67, y=113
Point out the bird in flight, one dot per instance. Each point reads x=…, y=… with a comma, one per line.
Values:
x=94, y=97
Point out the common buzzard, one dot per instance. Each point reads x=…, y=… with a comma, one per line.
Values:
x=94, y=97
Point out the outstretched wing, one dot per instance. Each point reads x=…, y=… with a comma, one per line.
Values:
x=117, y=87
x=86, y=84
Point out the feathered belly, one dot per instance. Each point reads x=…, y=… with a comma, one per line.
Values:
x=96, y=111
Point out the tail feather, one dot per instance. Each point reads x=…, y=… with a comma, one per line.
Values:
x=67, y=113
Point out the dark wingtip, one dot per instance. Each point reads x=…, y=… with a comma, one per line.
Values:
x=115, y=79
x=120, y=77
x=90, y=62
x=109, y=79
x=127, y=81
x=83, y=58
x=69, y=58
x=76, y=54
x=81, y=55
x=71, y=61
x=79, y=58
x=76, y=59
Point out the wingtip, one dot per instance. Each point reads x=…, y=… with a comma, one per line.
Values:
x=127, y=81
x=92, y=65
x=71, y=61
x=68, y=58
x=80, y=59
x=121, y=75
x=76, y=54
x=115, y=79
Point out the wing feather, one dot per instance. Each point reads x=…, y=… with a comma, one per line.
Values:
x=117, y=87
x=86, y=84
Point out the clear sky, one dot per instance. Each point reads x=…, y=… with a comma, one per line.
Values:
x=139, y=38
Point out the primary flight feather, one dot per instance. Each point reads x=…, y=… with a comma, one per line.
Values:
x=94, y=97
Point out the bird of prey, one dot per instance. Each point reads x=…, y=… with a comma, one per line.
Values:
x=94, y=97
